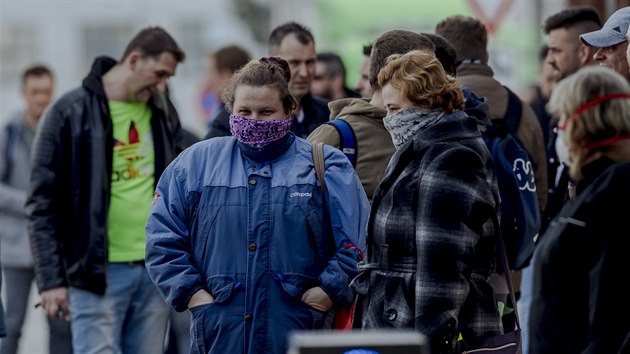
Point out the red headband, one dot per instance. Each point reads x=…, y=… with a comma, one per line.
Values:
x=597, y=100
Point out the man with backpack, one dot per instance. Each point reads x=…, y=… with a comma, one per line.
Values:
x=515, y=123
x=356, y=126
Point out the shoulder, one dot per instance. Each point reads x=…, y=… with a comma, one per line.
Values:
x=216, y=148
x=326, y=134
x=71, y=101
x=333, y=157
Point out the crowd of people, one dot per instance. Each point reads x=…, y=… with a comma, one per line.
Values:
x=135, y=230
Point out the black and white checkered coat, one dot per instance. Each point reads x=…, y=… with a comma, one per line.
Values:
x=430, y=240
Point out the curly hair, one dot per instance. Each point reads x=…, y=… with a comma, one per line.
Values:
x=267, y=71
x=422, y=80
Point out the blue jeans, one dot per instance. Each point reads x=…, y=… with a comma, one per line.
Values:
x=131, y=318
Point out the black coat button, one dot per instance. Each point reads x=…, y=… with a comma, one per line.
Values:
x=391, y=314
x=249, y=317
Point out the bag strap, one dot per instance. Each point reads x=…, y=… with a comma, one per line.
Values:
x=347, y=139
x=320, y=168
x=513, y=112
x=506, y=271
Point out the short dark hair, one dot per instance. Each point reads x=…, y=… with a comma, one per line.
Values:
x=230, y=58
x=444, y=52
x=572, y=17
x=334, y=64
x=152, y=42
x=302, y=34
x=467, y=35
x=36, y=70
x=395, y=42
x=367, y=49
x=268, y=71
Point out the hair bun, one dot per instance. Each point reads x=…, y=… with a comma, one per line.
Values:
x=277, y=63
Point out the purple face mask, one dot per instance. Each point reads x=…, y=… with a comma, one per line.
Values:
x=258, y=133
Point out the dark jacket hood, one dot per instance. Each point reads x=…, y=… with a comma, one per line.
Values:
x=476, y=106
x=94, y=80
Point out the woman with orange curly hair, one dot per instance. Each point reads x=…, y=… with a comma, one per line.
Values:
x=431, y=242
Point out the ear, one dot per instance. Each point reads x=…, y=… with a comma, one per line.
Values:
x=132, y=60
x=585, y=54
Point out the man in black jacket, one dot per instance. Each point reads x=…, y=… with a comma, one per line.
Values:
x=96, y=159
x=295, y=44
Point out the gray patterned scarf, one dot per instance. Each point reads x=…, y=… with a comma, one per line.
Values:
x=404, y=124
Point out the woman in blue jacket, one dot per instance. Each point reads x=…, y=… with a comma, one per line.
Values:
x=237, y=232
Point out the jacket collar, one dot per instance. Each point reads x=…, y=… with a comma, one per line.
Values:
x=270, y=152
x=94, y=80
x=474, y=69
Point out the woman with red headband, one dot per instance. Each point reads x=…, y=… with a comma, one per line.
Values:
x=581, y=263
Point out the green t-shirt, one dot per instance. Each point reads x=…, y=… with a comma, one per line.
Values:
x=132, y=187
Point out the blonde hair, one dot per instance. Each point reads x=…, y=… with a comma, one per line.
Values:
x=605, y=120
x=420, y=78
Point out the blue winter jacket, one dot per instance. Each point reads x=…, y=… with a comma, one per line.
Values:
x=247, y=226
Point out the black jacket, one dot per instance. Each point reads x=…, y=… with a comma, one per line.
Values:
x=316, y=112
x=68, y=196
x=220, y=124
x=579, y=304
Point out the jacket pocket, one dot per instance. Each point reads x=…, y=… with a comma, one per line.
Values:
x=391, y=302
x=221, y=287
x=294, y=286
x=197, y=329
x=217, y=327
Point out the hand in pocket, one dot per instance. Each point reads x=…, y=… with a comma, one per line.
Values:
x=318, y=299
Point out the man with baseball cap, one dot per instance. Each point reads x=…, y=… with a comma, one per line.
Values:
x=611, y=42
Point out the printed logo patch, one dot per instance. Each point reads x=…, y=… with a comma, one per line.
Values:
x=302, y=195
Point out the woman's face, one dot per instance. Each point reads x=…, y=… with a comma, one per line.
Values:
x=393, y=100
x=258, y=102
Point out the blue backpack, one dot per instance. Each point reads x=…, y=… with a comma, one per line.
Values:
x=520, y=217
x=347, y=139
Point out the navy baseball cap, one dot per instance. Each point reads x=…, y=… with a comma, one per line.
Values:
x=612, y=33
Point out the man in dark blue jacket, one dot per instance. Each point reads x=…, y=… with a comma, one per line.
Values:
x=97, y=156
x=295, y=44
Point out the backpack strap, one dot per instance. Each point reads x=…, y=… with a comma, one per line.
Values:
x=513, y=112
x=347, y=139
x=320, y=168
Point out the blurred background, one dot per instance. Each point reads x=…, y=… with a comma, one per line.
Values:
x=66, y=35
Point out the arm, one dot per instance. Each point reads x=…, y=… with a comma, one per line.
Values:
x=348, y=207
x=12, y=199
x=454, y=201
x=168, y=243
x=44, y=199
